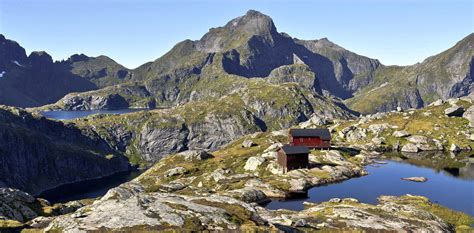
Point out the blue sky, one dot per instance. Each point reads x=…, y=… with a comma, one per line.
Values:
x=133, y=32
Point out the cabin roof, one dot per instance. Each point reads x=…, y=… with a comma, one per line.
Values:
x=321, y=133
x=291, y=150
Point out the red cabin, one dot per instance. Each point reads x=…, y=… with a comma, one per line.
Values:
x=312, y=138
x=292, y=157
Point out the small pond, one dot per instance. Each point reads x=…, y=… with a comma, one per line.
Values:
x=70, y=115
x=89, y=188
x=450, y=187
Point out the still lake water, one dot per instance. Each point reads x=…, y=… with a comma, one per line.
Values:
x=451, y=189
x=70, y=115
x=89, y=188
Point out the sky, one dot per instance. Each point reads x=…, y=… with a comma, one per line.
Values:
x=397, y=32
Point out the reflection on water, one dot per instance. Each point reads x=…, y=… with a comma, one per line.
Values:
x=451, y=186
x=89, y=188
x=69, y=115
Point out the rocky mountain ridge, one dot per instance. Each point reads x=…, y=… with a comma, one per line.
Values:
x=251, y=47
x=38, y=154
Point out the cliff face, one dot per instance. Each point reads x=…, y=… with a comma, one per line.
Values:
x=257, y=105
x=37, y=154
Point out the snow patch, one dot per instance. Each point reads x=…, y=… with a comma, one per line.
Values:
x=2, y=73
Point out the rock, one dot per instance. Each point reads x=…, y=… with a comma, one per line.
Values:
x=356, y=135
x=40, y=222
x=378, y=128
x=249, y=195
x=378, y=141
x=270, y=155
x=17, y=205
x=300, y=223
x=274, y=168
x=438, y=102
x=454, y=148
x=217, y=175
x=268, y=189
x=409, y=147
x=400, y=134
x=273, y=147
x=415, y=179
x=417, y=139
x=469, y=115
x=454, y=111
x=248, y=143
x=253, y=163
x=315, y=120
x=195, y=155
x=175, y=171
x=299, y=185
x=158, y=210
x=399, y=109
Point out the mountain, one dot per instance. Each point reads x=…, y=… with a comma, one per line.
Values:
x=35, y=80
x=446, y=75
x=247, y=47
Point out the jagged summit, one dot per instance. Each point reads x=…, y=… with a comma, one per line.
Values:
x=237, y=32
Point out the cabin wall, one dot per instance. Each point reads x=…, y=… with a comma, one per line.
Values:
x=297, y=161
x=312, y=142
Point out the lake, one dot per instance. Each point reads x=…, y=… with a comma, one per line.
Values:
x=70, y=115
x=89, y=188
x=453, y=188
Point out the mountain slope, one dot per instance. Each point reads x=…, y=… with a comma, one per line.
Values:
x=35, y=80
x=37, y=154
x=448, y=74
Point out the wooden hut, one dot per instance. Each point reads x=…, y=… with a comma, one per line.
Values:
x=292, y=157
x=312, y=138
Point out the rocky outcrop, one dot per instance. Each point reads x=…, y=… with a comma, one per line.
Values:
x=128, y=207
x=17, y=205
x=39, y=154
x=109, y=102
x=391, y=214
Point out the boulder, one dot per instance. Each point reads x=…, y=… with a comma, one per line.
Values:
x=249, y=195
x=273, y=147
x=469, y=115
x=378, y=128
x=454, y=148
x=417, y=139
x=248, y=143
x=400, y=134
x=195, y=155
x=175, y=171
x=415, y=179
x=40, y=222
x=378, y=141
x=399, y=109
x=454, y=111
x=299, y=185
x=270, y=155
x=253, y=163
x=274, y=168
x=409, y=147
x=438, y=102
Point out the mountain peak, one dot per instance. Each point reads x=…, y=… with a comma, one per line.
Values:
x=253, y=22
x=238, y=31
